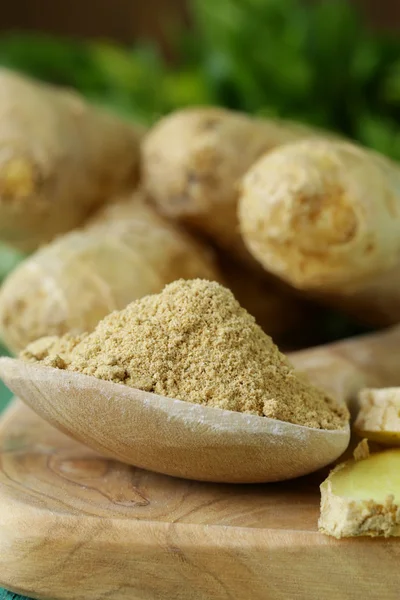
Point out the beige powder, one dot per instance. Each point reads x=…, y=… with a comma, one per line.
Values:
x=194, y=342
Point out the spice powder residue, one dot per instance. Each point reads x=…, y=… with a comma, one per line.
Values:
x=194, y=342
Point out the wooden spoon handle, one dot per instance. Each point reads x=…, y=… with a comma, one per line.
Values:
x=343, y=368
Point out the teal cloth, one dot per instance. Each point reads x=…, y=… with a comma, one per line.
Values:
x=5, y=396
x=4, y=595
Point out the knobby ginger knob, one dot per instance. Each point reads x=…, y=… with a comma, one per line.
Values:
x=193, y=161
x=60, y=159
x=324, y=216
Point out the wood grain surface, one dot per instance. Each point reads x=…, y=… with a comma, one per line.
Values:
x=79, y=527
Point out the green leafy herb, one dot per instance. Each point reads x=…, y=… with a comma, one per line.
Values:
x=317, y=62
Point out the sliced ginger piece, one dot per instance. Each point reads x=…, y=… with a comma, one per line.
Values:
x=362, y=497
x=379, y=416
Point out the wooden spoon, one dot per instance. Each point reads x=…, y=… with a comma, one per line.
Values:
x=170, y=436
x=197, y=442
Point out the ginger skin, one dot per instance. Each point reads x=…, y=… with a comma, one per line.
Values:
x=324, y=216
x=193, y=161
x=125, y=252
x=60, y=159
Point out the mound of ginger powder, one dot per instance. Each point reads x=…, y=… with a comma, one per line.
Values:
x=194, y=342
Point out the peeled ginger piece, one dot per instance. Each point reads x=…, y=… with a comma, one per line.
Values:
x=379, y=416
x=361, y=497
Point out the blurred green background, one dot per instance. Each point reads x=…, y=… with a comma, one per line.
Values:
x=5, y=394
x=316, y=62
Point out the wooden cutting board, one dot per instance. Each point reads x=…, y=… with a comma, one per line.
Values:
x=76, y=526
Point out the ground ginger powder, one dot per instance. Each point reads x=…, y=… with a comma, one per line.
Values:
x=194, y=342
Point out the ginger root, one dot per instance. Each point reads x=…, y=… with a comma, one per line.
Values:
x=378, y=419
x=362, y=497
x=123, y=253
x=193, y=161
x=324, y=216
x=60, y=159
x=127, y=251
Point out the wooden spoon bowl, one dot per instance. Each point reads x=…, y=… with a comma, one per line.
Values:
x=171, y=436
